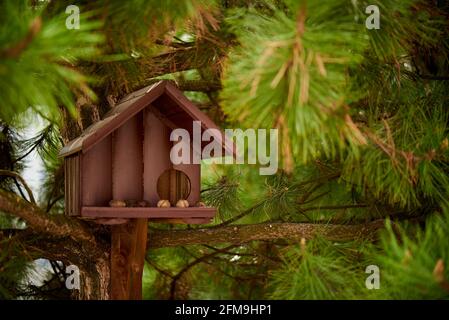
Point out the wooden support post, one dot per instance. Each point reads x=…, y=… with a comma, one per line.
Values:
x=128, y=248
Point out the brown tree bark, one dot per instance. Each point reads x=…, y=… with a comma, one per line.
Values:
x=111, y=266
x=71, y=241
x=237, y=234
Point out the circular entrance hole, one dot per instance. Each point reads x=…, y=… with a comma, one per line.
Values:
x=173, y=185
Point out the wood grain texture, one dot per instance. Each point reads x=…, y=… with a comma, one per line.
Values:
x=97, y=175
x=156, y=154
x=238, y=234
x=172, y=104
x=193, y=172
x=128, y=248
x=173, y=185
x=150, y=212
x=127, y=160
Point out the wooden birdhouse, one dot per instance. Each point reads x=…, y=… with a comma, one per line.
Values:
x=126, y=158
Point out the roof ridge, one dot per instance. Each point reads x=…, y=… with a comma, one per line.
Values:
x=128, y=107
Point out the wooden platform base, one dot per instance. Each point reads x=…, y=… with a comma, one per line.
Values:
x=187, y=215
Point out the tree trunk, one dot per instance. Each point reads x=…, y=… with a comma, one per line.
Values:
x=95, y=280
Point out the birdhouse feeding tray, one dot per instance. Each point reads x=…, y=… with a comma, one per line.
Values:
x=126, y=158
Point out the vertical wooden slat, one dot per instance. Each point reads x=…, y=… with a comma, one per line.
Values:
x=71, y=179
x=97, y=175
x=138, y=259
x=70, y=186
x=77, y=210
x=128, y=248
x=80, y=186
x=66, y=191
x=156, y=154
x=127, y=161
x=172, y=187
x=193, y=172
x=128, y=242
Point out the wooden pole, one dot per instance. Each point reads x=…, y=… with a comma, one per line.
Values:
x=128, y=249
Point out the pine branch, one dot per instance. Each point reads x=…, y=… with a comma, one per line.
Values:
x=19, y=177
x=187, y=267
x=336, y=207
x=432, y=77
x=42, y=223
x=199, y=85
x=173, y=44
x=157, y=268
x=19, y=47
x=438, y=274
x=176, y=60
x=240, y=215
x=194, y=85
x=34, y=246
x=238, y=234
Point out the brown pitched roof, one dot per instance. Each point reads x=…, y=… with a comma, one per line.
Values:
x=169, y=102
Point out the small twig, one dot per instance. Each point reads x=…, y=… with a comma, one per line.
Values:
x=239, y=216
x=349, y=206
x=159, y=269
x=52, y=203
x=193, y=263
x=316, y=197
x=19, y=188
x=15, y=175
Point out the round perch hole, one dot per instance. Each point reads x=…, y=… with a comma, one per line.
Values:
x=173, y=185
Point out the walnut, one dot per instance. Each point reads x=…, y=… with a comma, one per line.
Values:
x=117, y=203
x=163, y=204
x=182, y=203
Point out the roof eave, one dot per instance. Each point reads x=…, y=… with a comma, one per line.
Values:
x=84, y=143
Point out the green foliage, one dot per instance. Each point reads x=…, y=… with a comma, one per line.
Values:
x=154, y=13
x=407, y=162
x=13, y=268
x=415, y=266
x=9, y=145
x=403, y=24
x=290, y=72
x=37, y=59
x=319, y=270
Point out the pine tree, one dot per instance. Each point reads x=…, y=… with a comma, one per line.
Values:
x=362, y=122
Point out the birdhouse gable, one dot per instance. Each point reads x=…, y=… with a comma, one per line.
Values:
x=120, y=167
x=168, y=103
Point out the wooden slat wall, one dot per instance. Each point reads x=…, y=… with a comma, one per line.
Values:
x=156, y=154
x=72, y=185
x=127, y=160
x=97, y=174
x=193, y=171
x=173, y=185
x=126, y=165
